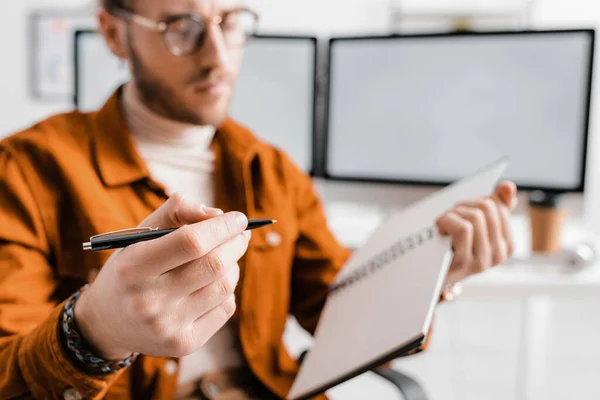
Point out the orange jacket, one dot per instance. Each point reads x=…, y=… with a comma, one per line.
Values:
x=77, y=175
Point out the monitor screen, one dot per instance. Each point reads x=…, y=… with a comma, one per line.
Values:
x=98, y=73
x=274, y=95
x=429, y=109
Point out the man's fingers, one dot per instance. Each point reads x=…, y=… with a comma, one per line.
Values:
x=212, y=212
x=208, y=297
x=208, y=324
x=178, y=211
x=461, y=232
x=490, y=209
x=196, y=274
x=506, y=193
x=507, y=232
x=188, y=243
x=481, y=247
x=506, y=196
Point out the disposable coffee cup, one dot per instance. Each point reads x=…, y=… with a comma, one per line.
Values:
x=547, y=215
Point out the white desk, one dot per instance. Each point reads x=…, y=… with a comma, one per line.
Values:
x=535, y=280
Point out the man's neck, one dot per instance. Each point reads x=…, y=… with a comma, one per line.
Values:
x=147, y=125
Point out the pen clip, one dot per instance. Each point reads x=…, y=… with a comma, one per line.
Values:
x=122, y=232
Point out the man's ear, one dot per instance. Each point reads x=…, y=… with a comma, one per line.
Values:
x=113, y=30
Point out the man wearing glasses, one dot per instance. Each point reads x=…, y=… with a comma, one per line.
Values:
x=174, y=317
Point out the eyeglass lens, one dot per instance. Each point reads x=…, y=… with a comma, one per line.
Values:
x=186, y=34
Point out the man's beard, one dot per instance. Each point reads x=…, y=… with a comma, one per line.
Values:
x=162, y=99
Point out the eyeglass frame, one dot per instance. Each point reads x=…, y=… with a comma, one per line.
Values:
x=163, y=25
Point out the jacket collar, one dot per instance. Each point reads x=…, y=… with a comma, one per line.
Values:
x=119, y=162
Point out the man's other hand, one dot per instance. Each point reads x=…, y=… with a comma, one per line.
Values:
x=480, y=231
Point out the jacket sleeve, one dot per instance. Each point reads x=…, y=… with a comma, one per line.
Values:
x=318, y=255
x=34, y=364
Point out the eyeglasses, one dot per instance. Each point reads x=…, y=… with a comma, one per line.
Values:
x=184, y=34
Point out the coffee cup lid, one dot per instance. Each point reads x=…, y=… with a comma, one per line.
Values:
x=542, y=198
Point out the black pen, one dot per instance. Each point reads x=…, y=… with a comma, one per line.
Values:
x=127, y=237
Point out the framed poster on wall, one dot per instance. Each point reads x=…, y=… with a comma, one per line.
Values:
x=51, y=43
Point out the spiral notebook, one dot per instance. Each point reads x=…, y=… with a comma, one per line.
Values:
x=381, y=304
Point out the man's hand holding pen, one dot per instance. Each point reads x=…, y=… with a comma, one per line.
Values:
x=168, y=296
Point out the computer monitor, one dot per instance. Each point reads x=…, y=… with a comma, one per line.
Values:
x=274, y=94
x=98, y=73
x=429, y=109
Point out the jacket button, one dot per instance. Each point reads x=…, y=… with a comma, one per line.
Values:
x=273, y=239
x=72, y=394
x=171, y=367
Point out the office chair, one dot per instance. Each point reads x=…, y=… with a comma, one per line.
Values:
x=407, y=386
x=410, y=388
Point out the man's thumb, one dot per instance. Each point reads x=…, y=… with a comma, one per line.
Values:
x=507, y=193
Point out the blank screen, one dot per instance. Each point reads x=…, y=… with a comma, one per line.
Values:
x=434, y=108
x=273, y=96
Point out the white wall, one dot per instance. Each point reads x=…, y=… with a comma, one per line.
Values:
x=17, y=108
x=323, y=16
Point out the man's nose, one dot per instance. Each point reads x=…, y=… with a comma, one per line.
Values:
x=214, y=50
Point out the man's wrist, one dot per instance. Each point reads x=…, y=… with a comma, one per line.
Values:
x=94, y=331
x=85, y=356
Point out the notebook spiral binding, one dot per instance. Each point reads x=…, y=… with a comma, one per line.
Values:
x=386, y=257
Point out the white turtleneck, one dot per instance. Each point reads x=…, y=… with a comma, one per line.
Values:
x=178, y=156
